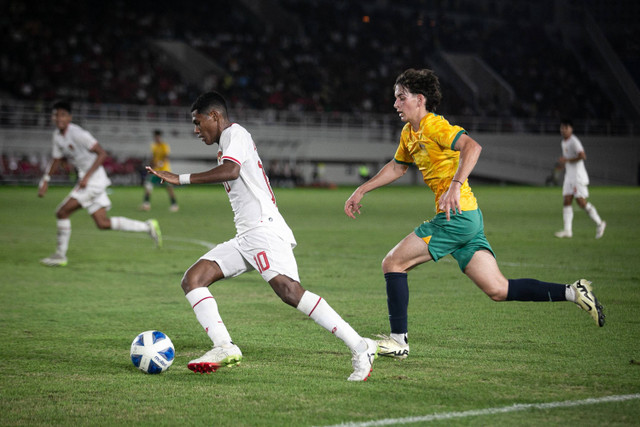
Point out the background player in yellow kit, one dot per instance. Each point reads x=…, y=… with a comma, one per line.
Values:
x=160, y=151
x=446, y=155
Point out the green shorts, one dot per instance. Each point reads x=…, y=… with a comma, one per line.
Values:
x=461, y=237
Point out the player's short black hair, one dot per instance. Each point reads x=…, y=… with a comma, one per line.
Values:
x=62, y=105
x=566, y=122
x=157, y=132
x=209, y=101
x=424, y=82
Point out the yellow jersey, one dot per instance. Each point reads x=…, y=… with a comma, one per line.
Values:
x=160, y=156
x=431, y=149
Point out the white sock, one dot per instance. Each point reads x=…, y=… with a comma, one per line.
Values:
x=400, y=338
x=63, y=236
x=121, y=223
x=321, y=312
x=570, y=294
x=206, y=309
x=593, y=213
x=567, y=216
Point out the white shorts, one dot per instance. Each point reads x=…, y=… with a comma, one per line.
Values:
x=259, y=249
x=92, y=198
x=571, y=188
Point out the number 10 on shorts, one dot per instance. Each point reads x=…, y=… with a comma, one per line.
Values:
x=261, y=261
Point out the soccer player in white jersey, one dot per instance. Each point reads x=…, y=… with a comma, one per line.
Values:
x=264, y=242
x=576, y=181
x=80, y=148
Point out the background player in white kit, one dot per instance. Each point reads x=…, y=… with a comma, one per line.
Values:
x=576, y=181
x=79, y=147
x=263, y=242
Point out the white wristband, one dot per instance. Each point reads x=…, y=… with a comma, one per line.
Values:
x=46, y=178
x=185, y=178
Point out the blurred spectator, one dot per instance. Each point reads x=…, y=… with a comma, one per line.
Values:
x=336, y=56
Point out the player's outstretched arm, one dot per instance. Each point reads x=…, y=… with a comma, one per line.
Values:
x=389, y=173
x=227, y=171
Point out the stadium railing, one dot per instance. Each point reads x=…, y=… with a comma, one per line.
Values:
x=34, y=114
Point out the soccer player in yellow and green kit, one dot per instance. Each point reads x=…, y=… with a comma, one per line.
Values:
x=446, y=155
x=159, y=161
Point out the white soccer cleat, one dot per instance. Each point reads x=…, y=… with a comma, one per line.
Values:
x=174, y=208
x=55, y=260
x=227, y=355
x=600, y=229
x=587, y=301
x=564, y=234
x=363, y=362
x=389, y=347
x=154, y=232
x=146, y=206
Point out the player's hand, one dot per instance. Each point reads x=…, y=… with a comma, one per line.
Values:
x=352, y=205
x=83, y=182
x=42, y=188
x=450, y=201
x=165, y=176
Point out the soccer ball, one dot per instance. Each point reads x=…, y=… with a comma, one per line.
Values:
x=152, y=352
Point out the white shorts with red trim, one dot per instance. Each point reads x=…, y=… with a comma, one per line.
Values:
x=259, y=249
x=575, y=189
x=92, y=198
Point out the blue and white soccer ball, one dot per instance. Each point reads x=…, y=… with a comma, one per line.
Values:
x=152, y=352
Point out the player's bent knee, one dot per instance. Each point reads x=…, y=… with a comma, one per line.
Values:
x=189, y=283
x=497, y=294
x=289, y=291
x=193, y=280
x=389, y=265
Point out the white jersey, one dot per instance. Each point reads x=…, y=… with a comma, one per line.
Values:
x=575, y=172
x=75, y=145
x=251, y=196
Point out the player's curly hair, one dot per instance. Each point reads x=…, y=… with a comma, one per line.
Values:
x=424, y=82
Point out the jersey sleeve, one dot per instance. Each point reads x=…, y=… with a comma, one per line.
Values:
x=577, y=145
x=403, y=156
x=235, y=146
x=446, y=135
x=85, y=139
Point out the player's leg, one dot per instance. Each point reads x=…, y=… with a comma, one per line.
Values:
x=172, y=198
x=120, y=223
x=407, y=254
x=274, y=259
x=567, y=216
x=593, y=214
x=223, y=261
x=483, y=270
x=148, y=189
x=195, y=284
x=363, y=350
x=63, y=224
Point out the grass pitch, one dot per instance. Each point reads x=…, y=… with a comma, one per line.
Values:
x=65, y=332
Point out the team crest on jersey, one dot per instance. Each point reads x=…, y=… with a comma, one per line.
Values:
x=71, y=147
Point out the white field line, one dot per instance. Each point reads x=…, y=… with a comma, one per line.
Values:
x=204, y=243
x=491, y=411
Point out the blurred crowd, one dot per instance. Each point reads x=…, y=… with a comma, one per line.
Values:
x=320, y=55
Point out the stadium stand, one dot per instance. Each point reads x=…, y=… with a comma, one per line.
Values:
x=320, y=61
